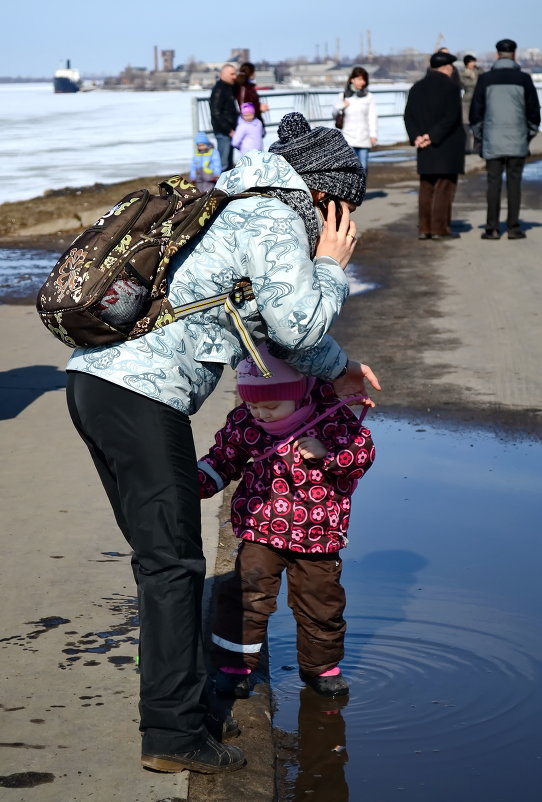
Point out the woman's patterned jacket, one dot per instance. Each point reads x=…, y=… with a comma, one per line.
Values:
x=296, y=298
x=282, y=500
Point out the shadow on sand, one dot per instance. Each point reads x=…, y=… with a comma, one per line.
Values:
x=19, y=387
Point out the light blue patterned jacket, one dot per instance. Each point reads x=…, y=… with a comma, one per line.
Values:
x=296, y=298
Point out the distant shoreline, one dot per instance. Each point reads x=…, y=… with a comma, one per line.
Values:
x=51, y=220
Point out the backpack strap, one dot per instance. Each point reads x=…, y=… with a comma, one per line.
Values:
x=241, y=292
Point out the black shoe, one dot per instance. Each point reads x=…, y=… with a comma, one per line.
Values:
x=236, y=685
x=424, y=236
x=326, y=686
x=210, y=757
x=222, y=727
x=490, y=233
x=516, y=233
x=446, y=236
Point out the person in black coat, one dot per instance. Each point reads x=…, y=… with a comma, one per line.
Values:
x=434, y=125
x=224, y=113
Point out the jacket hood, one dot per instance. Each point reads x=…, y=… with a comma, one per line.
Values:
x=259, y=169
x=201, y=138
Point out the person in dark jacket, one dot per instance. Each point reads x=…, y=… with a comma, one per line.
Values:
x=224, y=113
x=434, y=125
x=504, y=115
x=468, y=78
x=245, y=90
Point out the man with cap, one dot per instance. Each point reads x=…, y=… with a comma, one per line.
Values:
x=504, y=115
x=434, y=125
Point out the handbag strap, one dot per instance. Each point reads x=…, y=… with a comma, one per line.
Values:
x=348, y=400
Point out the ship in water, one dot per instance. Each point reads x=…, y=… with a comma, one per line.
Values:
x=67, y=80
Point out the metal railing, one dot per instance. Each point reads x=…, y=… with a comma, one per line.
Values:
x=315, y=104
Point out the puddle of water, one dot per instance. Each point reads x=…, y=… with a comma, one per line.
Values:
x=395, y=155
x=443, y=649
x=358, y=286
x=22, y=272
x=533, y=171
x=356, y=281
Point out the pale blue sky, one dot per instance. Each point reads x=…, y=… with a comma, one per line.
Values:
x=104, y=36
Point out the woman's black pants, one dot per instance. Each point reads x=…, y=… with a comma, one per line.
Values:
x=144, y=453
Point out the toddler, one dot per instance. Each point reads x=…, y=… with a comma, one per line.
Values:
x=249, y=132
x=299, y=452
x=206, y=165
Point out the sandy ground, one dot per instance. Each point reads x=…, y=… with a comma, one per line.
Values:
x=453, y=332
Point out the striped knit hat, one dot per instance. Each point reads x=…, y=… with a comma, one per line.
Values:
x=322, y=157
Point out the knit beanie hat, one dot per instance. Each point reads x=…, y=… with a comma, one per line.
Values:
x=322, y=157
x=247, y=108
x=285, y=384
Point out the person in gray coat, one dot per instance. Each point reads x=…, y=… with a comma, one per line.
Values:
x=504, y=116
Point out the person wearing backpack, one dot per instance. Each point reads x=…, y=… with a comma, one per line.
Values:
x=130, y=401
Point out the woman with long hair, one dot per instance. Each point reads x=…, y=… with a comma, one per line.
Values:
x=245, y=89
x=360, y=117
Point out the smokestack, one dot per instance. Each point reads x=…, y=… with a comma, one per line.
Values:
x=156, y=58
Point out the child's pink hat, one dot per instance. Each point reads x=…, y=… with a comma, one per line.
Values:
x=247, y=108
x=286, y=383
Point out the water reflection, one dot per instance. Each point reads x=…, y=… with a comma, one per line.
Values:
x=533, y=171
x=443, y=648
x=321, y=750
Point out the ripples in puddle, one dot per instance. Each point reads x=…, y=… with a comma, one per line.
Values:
x=443, y=650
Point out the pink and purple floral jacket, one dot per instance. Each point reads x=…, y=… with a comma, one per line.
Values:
x=282, y=500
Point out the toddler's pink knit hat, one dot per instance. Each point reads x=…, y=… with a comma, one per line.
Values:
x=247, y=108
x=286, y=383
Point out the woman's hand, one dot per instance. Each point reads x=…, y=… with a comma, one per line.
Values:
x=353, y=382
x=346, y=103
x=338, y=243
x=310, y=448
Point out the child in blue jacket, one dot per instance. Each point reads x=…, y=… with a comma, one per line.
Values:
x=206, y=165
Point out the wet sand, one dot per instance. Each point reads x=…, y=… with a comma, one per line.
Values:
x=453, y=333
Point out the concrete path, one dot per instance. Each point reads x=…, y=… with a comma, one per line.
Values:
x=68, y=636
x=491, y=304
x=68, y=705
